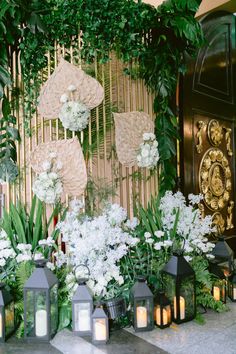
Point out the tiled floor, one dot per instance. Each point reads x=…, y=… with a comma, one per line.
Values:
x=217, y=336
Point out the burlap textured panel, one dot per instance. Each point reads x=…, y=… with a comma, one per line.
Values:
x=129, y=130
x=88, y=90
x=69, y=153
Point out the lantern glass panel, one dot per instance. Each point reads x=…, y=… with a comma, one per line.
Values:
x=41, y=326
x=187, y=298
x=163, y=315
x=82, y=313
x=29, y=313
x=9, y=319
x=143, y=308
x=100, y=329
x=170, y=286
x=54, y=308
x=1, y=322
x=219, y=290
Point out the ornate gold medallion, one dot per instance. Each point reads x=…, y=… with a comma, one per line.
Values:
x=215, y=132
x=215, y=179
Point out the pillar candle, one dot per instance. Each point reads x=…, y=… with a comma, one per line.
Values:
x=1, y=326
x=141, y=314
x=164, y=316
x=216, y=293
x=84, y=320
x=100, y=332
x=41, y=323
x=234, y=293
x=181, y=307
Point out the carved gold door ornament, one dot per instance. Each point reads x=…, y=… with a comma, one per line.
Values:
x=215, y=132
x=201, y=125
x=219, y=222
x=215, y=179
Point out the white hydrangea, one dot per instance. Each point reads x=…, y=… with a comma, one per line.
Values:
x=100, y=243
x=74, y=115
x=48, y=187
x=148, y=154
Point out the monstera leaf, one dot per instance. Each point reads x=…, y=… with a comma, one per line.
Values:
x=8, y=136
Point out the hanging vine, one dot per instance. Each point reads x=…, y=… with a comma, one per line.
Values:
x=157, y=38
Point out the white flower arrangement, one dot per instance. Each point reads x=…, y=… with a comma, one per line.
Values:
x=74, y=115
x=99, y=243
x=190, y=224
x=148, y=154
x=6, y=250
x=48, y=185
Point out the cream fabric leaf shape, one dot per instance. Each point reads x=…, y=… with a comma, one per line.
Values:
x=129, y=130
x=88, y=90
x=69, y=154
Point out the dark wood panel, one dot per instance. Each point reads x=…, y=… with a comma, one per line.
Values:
x=208, y=112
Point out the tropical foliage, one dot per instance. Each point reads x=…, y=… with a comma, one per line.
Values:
x=156, y=38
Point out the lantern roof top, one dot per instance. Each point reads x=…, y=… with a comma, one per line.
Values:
x=140, y=289
x=216, y=270
x=99, y=313
x=222, y=250
x=82, y=293
x=178, y=266
x=42, y=278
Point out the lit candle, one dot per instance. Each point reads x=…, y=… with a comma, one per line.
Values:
x=141, y=313
x=41, y=323
x=84, y=320
x=164, y=316
x=216, y=293
x=181, y=307
x=0, y=325
x=100, y=330
x=234, y=294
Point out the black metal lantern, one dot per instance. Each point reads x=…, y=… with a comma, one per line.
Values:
x=41, y=303
x=162, y=310
x=219, y=287
x=232, y=286
x=100, y=328
x=82, y=307
x=7, y=316
x=179, y=280
x=223, y=253
x=142, y=306
x=115, y=308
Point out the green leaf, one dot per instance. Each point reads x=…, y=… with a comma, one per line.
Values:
x=16, y=220
x=65, y=314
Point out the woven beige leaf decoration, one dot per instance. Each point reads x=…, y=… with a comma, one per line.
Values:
x=129, y=129
x=73, y=172
x=88, y=90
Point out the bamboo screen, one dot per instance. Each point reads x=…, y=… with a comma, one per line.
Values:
x=122, y=94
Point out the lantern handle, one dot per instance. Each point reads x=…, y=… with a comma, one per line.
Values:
x=40, y=246
x=181, y=250
x=81, y=265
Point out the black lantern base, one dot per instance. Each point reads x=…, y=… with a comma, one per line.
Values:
x=144, y=329
x=178, y=321
x=163, y=326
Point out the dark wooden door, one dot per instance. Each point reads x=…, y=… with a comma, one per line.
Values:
x=208, y=112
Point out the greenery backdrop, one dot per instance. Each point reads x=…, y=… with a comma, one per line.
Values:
x=157, y=38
